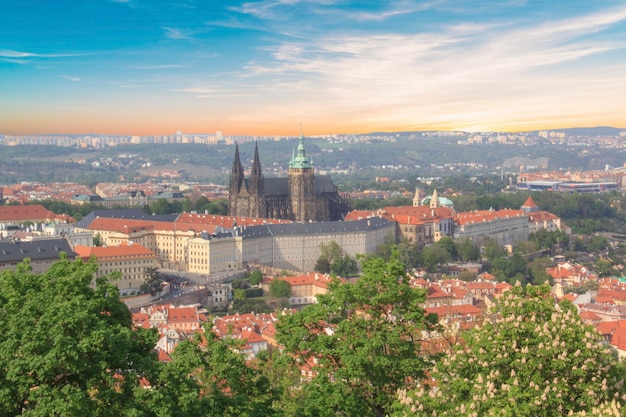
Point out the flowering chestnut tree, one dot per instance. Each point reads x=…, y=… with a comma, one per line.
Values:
x=531, y=357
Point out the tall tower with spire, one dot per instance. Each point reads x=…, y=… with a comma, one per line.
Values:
x=302, y=185
x=237, y=179
x=417, y=200
x=434, y=200
x=256, y=189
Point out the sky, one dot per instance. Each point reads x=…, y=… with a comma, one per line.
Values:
x=155, y=67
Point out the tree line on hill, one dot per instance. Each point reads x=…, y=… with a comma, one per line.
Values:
x=366, y=348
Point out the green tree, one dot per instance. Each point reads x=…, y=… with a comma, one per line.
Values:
x=344, y=266
x=201, y=204
x=538, y=272
x=255, y=277
x=511, y=269
x=597, y=243
x=491, y=249
x=532, y=357
x=466, y=250
x=239, y=294
x=447, y=243
x=161, y=206
x=67, y=348
x=433, y=256
x=280, y=288
x=152, y=283
x=322, y=265
x=334, y=260
x=365, y=338
x=208, y=378
x=603, y=267
x=409, y=254
x=187, y=205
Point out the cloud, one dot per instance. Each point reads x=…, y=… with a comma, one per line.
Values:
x=459, y=73
x=6, y=53
x=196, y=90
x=271, y=9
x=162, y=66
x=174, y=33
x=71, y=78
x=396, y=9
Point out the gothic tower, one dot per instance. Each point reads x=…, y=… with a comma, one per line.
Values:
x=257, y=192
x=236, y=181
x=302, y=185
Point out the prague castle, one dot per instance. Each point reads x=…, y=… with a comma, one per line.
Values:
x=301, y=197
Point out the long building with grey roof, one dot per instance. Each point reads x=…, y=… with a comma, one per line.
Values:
x=41, y=252
x=296, y=246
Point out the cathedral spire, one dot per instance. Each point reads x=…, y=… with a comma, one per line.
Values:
x=236, y=175
x=256, y=174
x=300, y=160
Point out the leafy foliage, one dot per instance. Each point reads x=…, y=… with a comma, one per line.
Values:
x=208, y=377
x=333, y=260
x=280, y=288
x=68, y=349
x=533, y=358
x=365, y=339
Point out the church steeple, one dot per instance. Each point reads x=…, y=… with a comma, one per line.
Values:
x=434, y=200
x=300, y=160
x=416, y=198
x=256, y=174
x=236, y=180
x=236, y=175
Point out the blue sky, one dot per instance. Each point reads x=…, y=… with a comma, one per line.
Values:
x=146, y=67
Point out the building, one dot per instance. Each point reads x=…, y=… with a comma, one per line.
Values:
x=304, y=288
x=507, y=227
x=418, y=224
x=206, y=244
x=131, y=260
x=296, y=246
x=42, y=253
x=34, y=215
x=302, y=196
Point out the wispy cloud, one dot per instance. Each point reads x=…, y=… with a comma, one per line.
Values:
x=387, y=77
x=6, y=53
x=175, y=33
x=195, y=90
x=271, y=9
x=394, y=9
x=162, y=66
x=71, y=78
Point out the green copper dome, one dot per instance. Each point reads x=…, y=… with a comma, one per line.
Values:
x=299, y=159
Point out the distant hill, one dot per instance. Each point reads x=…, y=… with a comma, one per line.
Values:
x=588, y=131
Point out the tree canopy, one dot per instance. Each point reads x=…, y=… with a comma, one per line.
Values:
x=362, y=339
x=68, y=349
x=533, y=357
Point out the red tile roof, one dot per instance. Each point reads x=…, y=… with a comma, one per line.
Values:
x=124, y=249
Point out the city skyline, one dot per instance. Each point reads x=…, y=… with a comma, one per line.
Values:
x=141, y=67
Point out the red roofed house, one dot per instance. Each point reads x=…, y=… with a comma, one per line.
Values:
x=614, y=333
x=34, y=213
x=304, y=288
x=131, y=260
x=419, y=224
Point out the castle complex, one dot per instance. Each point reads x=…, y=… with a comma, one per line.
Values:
x=301, y=197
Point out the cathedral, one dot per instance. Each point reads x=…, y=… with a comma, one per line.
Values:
x=301, y=197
